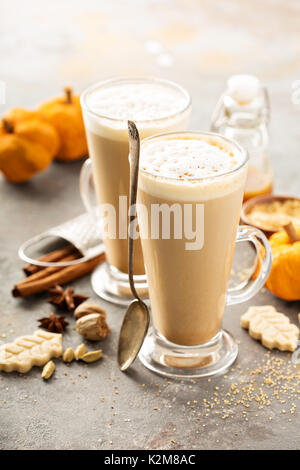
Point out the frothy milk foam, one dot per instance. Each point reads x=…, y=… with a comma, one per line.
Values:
x=153, y=106
x=185, y=167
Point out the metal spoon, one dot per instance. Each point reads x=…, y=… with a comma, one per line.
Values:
x=137, y=317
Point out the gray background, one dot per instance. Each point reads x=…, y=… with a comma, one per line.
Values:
x=47, y=45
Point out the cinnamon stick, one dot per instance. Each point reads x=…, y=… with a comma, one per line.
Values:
x=291, y=232
x=57, y=255
x=62, y=276
x=47, y=271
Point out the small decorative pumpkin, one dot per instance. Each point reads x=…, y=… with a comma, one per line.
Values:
x=35, y=128
x=17, y=115
x=284, y=279
x=26, y=146
x=64, y=113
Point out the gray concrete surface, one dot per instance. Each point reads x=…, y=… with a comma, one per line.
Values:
x=43, y=47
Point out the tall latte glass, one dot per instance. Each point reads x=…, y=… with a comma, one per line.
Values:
x=156, y=106
x=190, y=193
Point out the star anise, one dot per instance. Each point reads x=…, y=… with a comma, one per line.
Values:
x=65, y=299
x=53, y=323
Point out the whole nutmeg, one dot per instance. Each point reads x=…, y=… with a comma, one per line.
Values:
x=86, y=308
x=93, y=326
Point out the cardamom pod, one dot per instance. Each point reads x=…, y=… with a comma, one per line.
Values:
x=48, y=370
x=92, y=356
x=68, y=355
x=80, y=351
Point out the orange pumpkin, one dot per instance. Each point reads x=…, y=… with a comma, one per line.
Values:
x=284, y=279
x=27, y=146
x=17, y=115
x=64, y=113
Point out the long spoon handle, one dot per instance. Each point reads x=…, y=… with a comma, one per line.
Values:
x=134, y=152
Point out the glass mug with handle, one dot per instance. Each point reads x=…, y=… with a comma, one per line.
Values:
x=199, y=179
x=155, y=105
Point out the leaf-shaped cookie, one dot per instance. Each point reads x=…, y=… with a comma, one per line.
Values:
x=28, y=351
x=272, y=328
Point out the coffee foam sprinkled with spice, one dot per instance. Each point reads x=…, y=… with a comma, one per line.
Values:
x=190, y=164
x=188, y=158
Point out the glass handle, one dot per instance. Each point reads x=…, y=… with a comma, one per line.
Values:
x=252, y=286
x=85, y=187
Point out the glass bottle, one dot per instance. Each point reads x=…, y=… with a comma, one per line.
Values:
x=242, y=113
